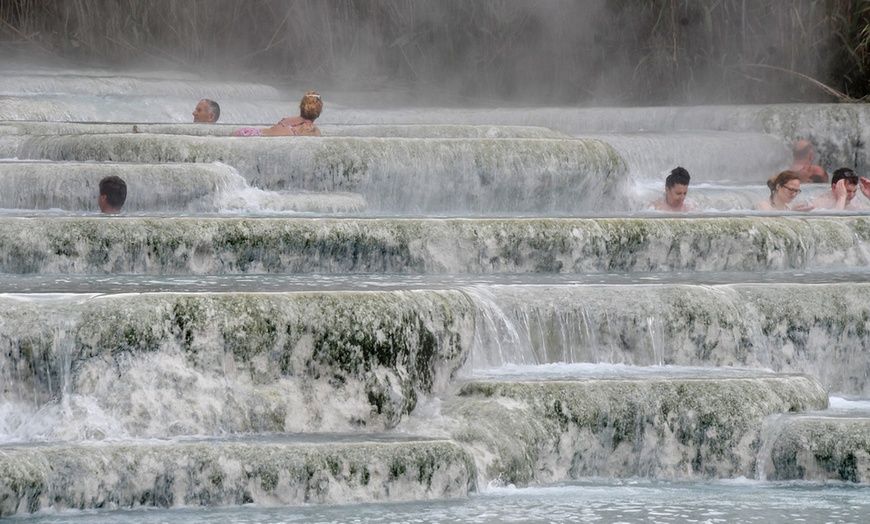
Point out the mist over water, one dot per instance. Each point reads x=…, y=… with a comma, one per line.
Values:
x=595, y=52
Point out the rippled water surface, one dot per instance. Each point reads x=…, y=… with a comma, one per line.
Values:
x=123, y=283
x=738, y=501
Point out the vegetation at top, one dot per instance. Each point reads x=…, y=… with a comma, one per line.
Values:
x=625, y=52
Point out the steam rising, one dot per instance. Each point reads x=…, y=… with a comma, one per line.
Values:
x=609, y=52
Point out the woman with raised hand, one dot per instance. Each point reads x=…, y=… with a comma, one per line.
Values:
x=302, y=125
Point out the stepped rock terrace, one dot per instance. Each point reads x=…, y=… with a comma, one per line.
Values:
x=424, y=304
x=197, y=245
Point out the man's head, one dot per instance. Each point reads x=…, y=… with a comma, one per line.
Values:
x=850, y=181
x=677, y=187
x=803, y=152
x=310, y=106
x=113, y=194
x=207, y=111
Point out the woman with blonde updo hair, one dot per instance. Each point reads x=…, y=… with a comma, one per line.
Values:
x=784, y=189
x=302, y=125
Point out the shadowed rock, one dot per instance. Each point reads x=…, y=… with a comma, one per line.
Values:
x=215, y=473
x=551, y=431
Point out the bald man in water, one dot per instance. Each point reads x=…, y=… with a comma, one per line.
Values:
x=803, y=154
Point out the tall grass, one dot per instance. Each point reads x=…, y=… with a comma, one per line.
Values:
x=851, y=20
x=558, y=51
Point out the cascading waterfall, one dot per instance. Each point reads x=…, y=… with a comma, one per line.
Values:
x=155, y=188
x=423, y=304
x=395, y=174
x=498, y=339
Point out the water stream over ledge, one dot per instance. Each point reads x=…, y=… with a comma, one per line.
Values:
x=425, y=314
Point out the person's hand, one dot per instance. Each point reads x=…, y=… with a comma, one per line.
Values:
x=802, y=207
x=865, y=187
x=839, y=190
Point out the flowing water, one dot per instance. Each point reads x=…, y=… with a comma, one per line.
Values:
x=590, y=501
x=426, y=315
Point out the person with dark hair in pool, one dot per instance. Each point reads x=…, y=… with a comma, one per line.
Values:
x=803, y=154
x=302, y=125
x=676, y=190
x=207, y=111
x=784, y=188
x=113, y=194
x=844, y=187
